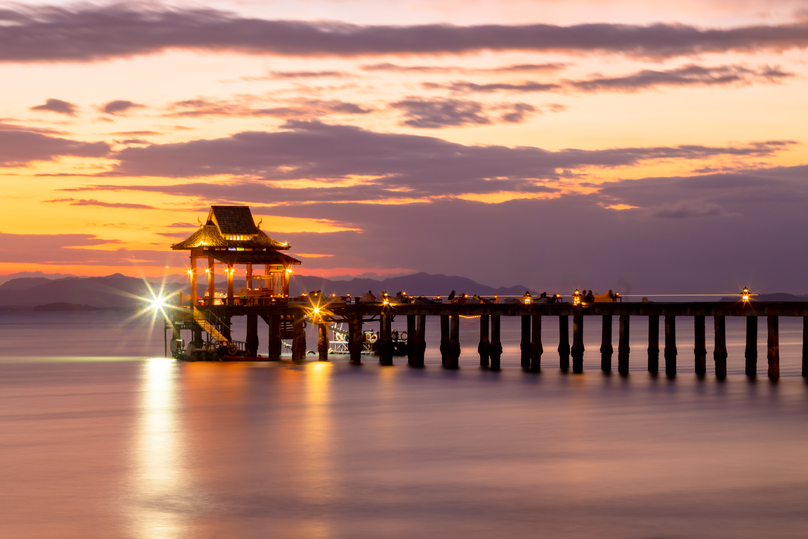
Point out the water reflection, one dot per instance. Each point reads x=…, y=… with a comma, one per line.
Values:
x=159, y=478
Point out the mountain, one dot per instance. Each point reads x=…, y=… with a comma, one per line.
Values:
x=111, y=292
x=33, y=274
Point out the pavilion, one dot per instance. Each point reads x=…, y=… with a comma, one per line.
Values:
x=229, y=237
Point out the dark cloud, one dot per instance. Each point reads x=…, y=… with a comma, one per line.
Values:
x=294, y=108
x=132, y=141
x=305, y=74
x=19, y=148
x=518, y=68
x=136, y=133
x=93, y=202
x=120, y=106
x=392, y=165
x=464, y=87
x=689, y=75
x=437, y=113
x=5, y=126
x=96, y=32
x=518, y=113
x=56, y=105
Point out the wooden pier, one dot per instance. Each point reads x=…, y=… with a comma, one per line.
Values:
x=285, y=319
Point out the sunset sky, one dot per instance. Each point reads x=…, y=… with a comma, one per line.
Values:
x=641, y=146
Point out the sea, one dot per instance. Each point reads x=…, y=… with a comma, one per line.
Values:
x=102, y=436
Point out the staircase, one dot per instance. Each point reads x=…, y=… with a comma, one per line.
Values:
x=204, y=323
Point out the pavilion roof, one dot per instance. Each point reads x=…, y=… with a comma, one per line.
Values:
x=224, y=223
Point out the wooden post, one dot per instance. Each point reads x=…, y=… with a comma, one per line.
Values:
x=484, y=348
x=496, y=343
x=700, y=345
x=211, y=283
x=670, y=345
x=444, y=340
x=322, y=340
x=720, y=352
x=578, y=342
x=252, y=335
x=275, y=344
x=622, y=344
x=355, y=339
x=773, y=353
x=606, y=348
x=751, y=346
x=299, y=341
x=412, y=338
x=536, y=348
x=524, y=344
x=454, y=342
x=653, y=344
x=564, y=342
x=230, y=274
x=226, y=332
x=193, y=280
x=248, y=282
x=385, y=343
x=805, y=346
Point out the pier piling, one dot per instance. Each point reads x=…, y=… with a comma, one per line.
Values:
x=720, y=351
x=750, y=354
x=454, y=341
x=444, y=340
x=606, y=348
x=252, y=334
x=700, y=345
x=524, y=344
x=653, y=344
x=485, y=345
x=385, y=343
x=299, y=340
x=670, y=346
x=322, y=341
x=536, y=348
x=623, y=348
x=412, y=353
x=773, y=353
x=496, y=342
x=578, y=342
x=355, y=339
x=564, y=342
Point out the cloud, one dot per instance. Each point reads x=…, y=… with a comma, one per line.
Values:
x=18, y=148
x=98, y=32
x=305, y=74
x=56, y=105
x=120, y=106
x=247, y=107
x=689, y=75
x=437, y=113
x=93, y=202
x=136, y=133
x=517, y=68
x=518, y=113
x=464, y=87
x=390, y=165
x=71, y=249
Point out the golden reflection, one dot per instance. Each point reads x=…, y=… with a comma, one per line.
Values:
x=159, y=477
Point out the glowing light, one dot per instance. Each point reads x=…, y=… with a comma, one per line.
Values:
x=576, y=297
x=316, y=311
x=158, y=303
x=190, y=272
x=745, y=293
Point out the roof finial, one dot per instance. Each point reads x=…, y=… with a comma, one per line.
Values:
x=198, y=220
x=261, y=220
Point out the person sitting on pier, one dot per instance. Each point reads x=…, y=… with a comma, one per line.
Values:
x=542, y=298
x=451, y=296
x=589, y=297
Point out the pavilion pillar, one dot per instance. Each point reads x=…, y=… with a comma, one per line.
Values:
x=578, y=342
x=750, y=354
x=484, y=348
x=564, y=342
x=322, y=340
x=193, y=279
x=211, y=282
x=720, y=351
x=773, y=353
x=355, y=339
x=606, y=348
x=536, y=348
x=700, y=345
x=670, y=346
x=524, y=345
x=252, y=335
x=454, y=341
x=622, y=344
x=248, y=284
x=653, y=343
x=230, y=270
x=496, y=342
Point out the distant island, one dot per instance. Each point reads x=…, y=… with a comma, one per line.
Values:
x=62, y=306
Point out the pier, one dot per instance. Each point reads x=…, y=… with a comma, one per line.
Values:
x=230, y=238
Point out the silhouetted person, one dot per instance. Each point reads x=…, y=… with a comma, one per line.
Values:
x=452, y=296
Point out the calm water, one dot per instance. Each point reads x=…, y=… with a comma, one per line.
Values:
x=101, y=437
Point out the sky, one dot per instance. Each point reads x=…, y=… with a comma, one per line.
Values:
x=612, y=144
